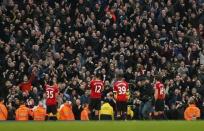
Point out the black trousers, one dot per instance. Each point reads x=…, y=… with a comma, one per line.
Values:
x=105, y=117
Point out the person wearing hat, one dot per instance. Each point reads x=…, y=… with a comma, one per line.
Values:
x=106, y=112
x=3, y=110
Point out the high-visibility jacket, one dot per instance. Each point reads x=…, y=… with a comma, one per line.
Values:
x=106, y=109
x=23, y=113
x=130, y=112
x=65, y=112
x=192, y=112
x=85, y=114
x=3, y=112
x=39, y=113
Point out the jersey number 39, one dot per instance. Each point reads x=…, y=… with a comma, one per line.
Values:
x=122, y=90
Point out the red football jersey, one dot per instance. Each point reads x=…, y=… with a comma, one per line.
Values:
x=159, y=87
x=51, y=92
x=96, y=88
x=121, y=88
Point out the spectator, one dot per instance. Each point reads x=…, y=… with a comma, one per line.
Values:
x=147, y=95
x=25, y=86
x=85, y=98
x=77, y=109
x=72, y=40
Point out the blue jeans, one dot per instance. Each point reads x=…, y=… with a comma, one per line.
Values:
x=145, y=109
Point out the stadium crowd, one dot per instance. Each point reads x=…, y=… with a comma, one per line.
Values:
x=71, y=40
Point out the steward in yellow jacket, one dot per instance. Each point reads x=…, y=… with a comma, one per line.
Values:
x=106, y=112
x=130, y=113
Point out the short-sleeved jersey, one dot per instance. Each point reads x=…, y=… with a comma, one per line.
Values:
x=51, y=92
x=159, y=87
x=96, y=88
x=121, y=89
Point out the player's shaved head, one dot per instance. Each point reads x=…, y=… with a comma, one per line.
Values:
x=98, y=75
x=119, y=74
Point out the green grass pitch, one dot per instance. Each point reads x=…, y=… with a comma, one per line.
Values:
x=103, y=126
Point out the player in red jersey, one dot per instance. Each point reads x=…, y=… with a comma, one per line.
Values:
x=159, y=96
x=97, y=87
x=121, y=91
x=51, y=101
